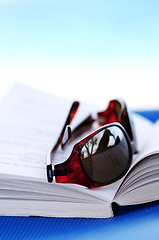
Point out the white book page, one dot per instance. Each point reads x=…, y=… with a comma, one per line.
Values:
x=30, y=124
x=136, y=177
x=148, y=138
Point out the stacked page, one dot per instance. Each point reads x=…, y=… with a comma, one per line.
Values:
x=30, y=124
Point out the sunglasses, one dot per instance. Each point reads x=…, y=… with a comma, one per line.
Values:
x=103, y=156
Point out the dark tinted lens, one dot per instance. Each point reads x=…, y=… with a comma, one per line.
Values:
x=105, y=157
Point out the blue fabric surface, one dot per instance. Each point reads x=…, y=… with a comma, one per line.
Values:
x=131, y=222
x=137, y=222
x=152, y=115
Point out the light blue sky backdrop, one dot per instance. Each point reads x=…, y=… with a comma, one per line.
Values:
x=79, y=29
x=118, y=38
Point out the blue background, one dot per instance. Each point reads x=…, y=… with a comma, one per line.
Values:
x=84, y=49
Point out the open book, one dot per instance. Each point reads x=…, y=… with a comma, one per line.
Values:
x=30, y=123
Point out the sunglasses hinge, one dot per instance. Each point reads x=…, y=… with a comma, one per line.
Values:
x=59, y=172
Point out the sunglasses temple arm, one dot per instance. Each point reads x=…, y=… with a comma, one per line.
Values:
x=84, y=126
x=69, y=119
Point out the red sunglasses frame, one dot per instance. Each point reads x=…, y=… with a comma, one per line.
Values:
x=71, y=170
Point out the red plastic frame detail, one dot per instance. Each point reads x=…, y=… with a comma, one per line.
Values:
x=75, y=173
